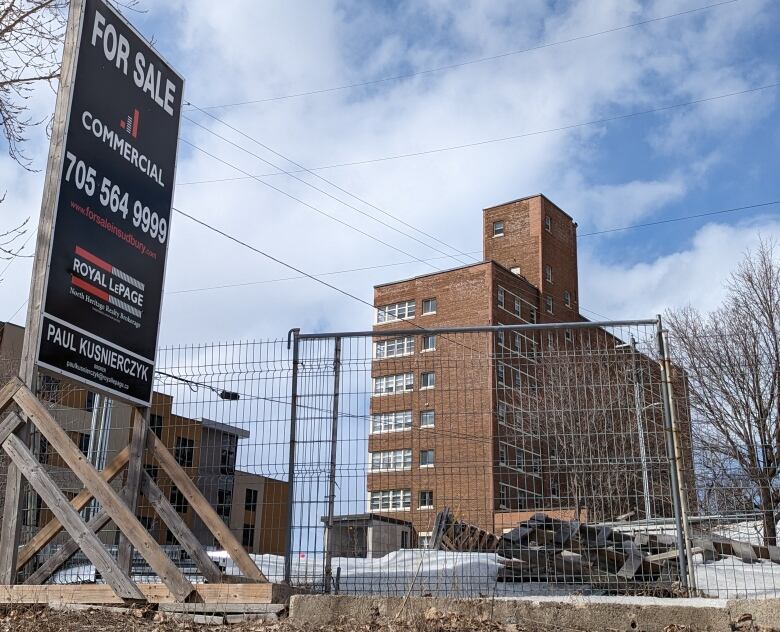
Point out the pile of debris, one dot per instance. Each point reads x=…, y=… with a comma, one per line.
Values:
x=547, y=549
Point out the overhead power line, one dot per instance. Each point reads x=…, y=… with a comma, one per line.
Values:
x=470, y=62
x=309, y=184
x=301, y=168
x=550, y=130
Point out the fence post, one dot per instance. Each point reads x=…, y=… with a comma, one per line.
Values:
x=670, y=452
x=332, y=480
x=291, y=467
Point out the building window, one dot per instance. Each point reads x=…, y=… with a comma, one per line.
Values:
x=427, y=419
x=224, y=504
x=389, y=384
x=548, y=273
x=429, y=306
x=390, y=499
x=152, y=471
x=517, y=307
x=394, y=348
x=567, y=298
x=184, y=451
x=391, y=422
x=533, y=315
x=156, y=424
x=501, y=455
x=518, y=379
x=395, y=311
x=548, y=302
x=390, y=460
x=250, y=500
x=498, y=229
x=227, y=457
x=568, y=335
x=427, y=380
x=500, y=337
x=502, y=496
x=502, y=411
x=426, y=458
x=500, y=373
x=426, y=499
x=500, y=297
x=550, y=339
x=424, y=539
x=178, y=501
x=248, y=535
x=548, y=223
x=429, y=342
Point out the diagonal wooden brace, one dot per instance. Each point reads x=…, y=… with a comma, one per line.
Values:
x=203, y=509
x=179, y=529
x=47, y=533
x=55, y=500
x=68, y=550
x=123, y=518
x=8, y=391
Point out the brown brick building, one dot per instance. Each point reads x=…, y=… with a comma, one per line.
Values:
x=457, y=420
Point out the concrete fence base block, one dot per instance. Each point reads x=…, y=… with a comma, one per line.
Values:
x=584, y=613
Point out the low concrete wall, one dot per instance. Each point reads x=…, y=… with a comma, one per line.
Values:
x=585, y=613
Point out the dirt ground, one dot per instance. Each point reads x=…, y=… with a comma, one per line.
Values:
x=39, y=619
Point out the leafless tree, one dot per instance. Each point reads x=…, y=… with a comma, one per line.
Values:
x=732, y=359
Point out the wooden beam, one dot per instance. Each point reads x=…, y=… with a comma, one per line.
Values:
x=123, y=518
x=205, y=511
x=8, y=391
x=9, y=426
x=153, y=593
x=135, y=467
x=68, y=550
x=58, y=504
x=180, y=530
x=53, y=527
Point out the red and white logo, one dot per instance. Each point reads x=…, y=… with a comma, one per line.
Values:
x=130, y=124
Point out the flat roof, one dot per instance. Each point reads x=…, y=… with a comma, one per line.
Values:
x=451, y=270
x=227, y=429
x=528, y=197
x=368, y=517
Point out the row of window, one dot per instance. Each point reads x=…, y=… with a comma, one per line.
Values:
x=398, y=500
x=404, y=310
x=397, y=347
x=390, y=460
x=400, y=420
x=498, y=226
x=402, y=382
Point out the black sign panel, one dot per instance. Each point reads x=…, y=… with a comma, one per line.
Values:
x=112, y=222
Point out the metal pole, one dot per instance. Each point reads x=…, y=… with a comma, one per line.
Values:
x=678, y=467
x=294, y=333
x=332, y=480
x=641, y=430
x=665, y=392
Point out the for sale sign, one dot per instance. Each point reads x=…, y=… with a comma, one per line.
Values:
x=104, y=285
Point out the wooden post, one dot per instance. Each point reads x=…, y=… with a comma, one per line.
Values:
x=135, y=467
x=9, y=533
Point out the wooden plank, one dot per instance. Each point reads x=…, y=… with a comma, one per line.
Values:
x=670, y=555
x=9, y=426
x=68, y=550
x=53, y=527
x=123, y=518
x=8, y=391
x=58, y=504
x=203, y=509
x=153, y=593
x=135, y=466
x=633, y=560
x=181, y=531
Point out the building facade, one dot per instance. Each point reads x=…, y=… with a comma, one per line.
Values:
x=460, y=421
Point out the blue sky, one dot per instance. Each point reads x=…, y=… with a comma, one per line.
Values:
x=715, y=155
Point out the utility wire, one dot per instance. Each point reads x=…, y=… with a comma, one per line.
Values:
x=480, y=143
x=308, y=184
x=479, y=60
x=306, y=204
x=300, y=168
